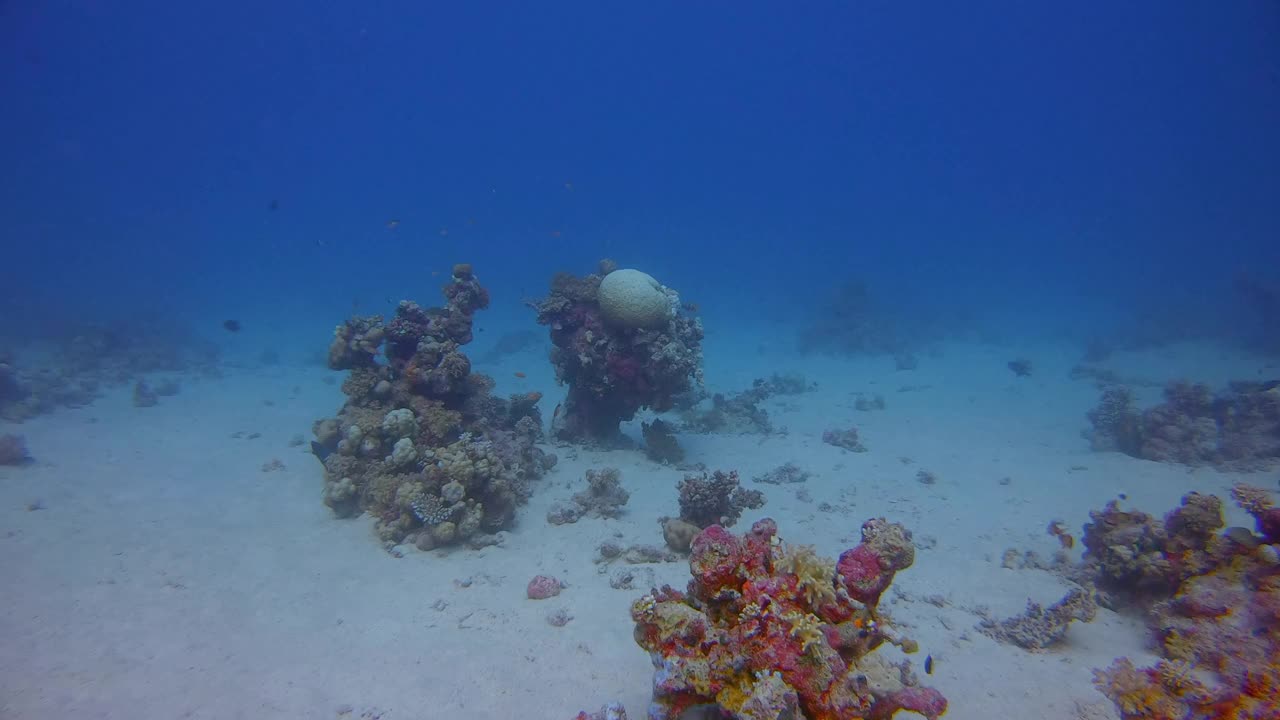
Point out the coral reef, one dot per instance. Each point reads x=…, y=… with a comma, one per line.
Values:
x=72, y=371
x=604, y=498
x=420, y=443
x=1235, y=430
x=1021, y=367
x=851, y=322
x=847, y=439
x=768, y=630
x=740, y=412
x=612, y=711
x=144, y=395
x=618, y=363
x=660, y=443
x=1041, y=627
x=1213, y=602
x=715, y=499
x=784, y=474
x=13, y=450
x=1134, y=559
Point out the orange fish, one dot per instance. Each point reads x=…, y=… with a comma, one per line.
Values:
x=521, y=375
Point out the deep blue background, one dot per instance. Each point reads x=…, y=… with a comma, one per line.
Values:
x=1025, y=157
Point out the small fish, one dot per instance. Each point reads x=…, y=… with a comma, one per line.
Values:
x=321, y=452
x=568, y=186
x=521, y=375
x=393, y=224
x=231, y=325
x=555, y=233
x=275, y=205
x=928, y=665
x=444, y=232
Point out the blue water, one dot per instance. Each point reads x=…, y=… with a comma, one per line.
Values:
x=1067, y=161
x=1006, y=175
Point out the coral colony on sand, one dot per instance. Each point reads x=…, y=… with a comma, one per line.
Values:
x=1212, y=600
x=766, y=629
x=420, y=443
x=621, y=344
x=1236, y=430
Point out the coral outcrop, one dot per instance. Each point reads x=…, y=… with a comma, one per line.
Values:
x=741, y=412
x=1212, y=599
x=615, y=367
x=1238, y=429
x=420, y=443
x=716, y=499
x=766, y=629
x=74, y=370
x=13, y=450
x=604, y=498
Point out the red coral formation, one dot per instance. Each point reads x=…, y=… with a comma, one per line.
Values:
x=766, y=629
x=1219, y=625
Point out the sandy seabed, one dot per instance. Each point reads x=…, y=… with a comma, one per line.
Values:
x=165, y=574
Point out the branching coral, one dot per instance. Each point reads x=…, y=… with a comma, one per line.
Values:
x=715, y=499
x=759, y=640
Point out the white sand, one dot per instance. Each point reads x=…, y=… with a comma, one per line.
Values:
x=168, y=576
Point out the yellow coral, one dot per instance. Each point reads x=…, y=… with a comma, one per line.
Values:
x=807, y=627
x=814, y=573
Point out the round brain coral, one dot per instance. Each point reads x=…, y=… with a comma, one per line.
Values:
x=634, y=300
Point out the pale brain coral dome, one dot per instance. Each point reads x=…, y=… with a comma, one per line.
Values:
x=634, y=299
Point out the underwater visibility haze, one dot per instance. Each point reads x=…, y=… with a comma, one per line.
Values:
x=680, y=360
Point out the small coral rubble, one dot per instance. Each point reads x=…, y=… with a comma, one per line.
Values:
x=604, y=498
x=1214, y=606
x=766, y=630
x=613, y=369
x=1041, y=627
x=847, y=439
x=421, y=444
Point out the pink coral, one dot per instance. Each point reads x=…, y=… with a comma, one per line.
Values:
x=542, y=587
x=767, y=630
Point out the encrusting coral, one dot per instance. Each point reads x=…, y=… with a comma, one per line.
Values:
x=1213, y=602
x=421, y=444
x=619, y=362
x=767, y=630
